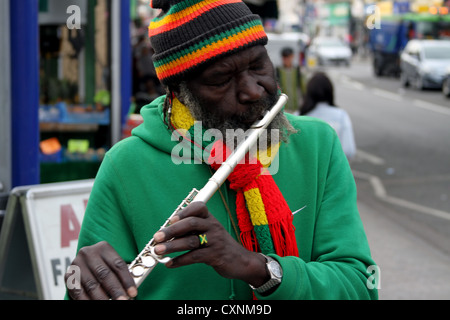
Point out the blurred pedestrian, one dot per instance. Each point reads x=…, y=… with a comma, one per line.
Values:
x=289, y=78
x=319, y=103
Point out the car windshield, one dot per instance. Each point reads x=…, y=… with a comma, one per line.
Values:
x=437, y=52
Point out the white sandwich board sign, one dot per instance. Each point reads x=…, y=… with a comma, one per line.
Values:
x=49, y=216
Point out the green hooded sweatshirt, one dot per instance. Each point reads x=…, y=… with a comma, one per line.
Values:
x=138, y=186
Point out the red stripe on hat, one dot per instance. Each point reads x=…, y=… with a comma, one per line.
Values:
x=185, y=16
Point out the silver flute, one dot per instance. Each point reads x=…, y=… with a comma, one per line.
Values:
x=147, y=259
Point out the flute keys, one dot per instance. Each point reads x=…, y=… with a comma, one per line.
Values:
x=148, y=261
x=138, y=271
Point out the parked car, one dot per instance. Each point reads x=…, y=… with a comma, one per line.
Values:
x=446, y=83
x=328, y=50
x=423, y=63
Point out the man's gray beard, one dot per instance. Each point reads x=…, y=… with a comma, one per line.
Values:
x=279, y=129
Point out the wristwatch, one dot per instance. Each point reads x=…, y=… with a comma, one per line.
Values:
x=276, y=273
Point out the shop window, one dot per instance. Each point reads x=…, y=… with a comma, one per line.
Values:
x=75, y=86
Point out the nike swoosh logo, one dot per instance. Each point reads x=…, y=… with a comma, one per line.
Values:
x=298, y=210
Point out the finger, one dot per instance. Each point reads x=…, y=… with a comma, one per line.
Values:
x=100, y=281
x=109, y=282
x=92, y=287
x=95, y=276
x=78, y=294
x=81, y=284
x=72, y=280
x=191, y=257
x=182, y=228
x=195, y=209
x=191, y=242
x=120, y=268
x=98, y=272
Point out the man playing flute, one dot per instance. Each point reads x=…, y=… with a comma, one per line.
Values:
x=285, y=224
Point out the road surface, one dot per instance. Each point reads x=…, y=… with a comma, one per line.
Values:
x=402, y=170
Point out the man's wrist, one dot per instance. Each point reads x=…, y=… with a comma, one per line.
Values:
x=258, y=274
x=273, y=268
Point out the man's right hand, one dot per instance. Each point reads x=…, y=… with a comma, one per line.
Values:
x=103, y=275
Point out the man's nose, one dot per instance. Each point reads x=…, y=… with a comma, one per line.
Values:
x=249, y=90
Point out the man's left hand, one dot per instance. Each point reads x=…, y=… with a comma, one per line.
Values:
x=196, y=230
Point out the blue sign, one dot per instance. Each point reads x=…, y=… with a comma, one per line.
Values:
x=401, y=7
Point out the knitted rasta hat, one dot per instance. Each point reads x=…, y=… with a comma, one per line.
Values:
x=190, y=33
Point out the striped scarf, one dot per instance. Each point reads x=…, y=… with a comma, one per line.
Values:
x=264, y=217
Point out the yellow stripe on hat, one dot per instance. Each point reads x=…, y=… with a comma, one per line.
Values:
x=256, y=207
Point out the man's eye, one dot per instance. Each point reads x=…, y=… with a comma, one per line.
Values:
x=220, y=83
x=257, y=67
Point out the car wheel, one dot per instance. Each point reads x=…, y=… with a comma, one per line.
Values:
x=404, y=80
x=446, y=87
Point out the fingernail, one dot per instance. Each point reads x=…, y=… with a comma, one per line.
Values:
x=174, y=219
x=132, y=292
x=159, y=236
x=169, y=264
x=160, y=249
x=122, y=298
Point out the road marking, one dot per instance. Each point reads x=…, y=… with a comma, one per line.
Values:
x=380, y=192
x=365, y=156
x=349, y=81
x=358, y=86
x=399, y=96
x=387, y=94
x=431, y=107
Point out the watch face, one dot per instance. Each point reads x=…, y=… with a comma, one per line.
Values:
x=275, y=269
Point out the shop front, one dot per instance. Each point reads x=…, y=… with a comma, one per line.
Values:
x=65, y=91
x=70, y=89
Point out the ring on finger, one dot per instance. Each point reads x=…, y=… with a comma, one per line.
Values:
x=203, y=240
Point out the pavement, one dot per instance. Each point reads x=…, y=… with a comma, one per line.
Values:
x=412, y=267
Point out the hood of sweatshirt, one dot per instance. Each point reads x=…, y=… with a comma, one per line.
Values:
x=154, y=131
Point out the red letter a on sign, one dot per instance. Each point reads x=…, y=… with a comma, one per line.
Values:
x=68, y=218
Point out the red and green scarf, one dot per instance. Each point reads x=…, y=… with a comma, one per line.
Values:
x=264, y=217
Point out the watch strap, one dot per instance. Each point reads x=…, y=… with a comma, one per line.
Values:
x=273, y=281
